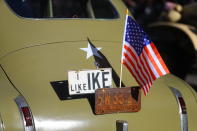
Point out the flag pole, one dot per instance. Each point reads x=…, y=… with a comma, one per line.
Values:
x=127, y=12
x=121, y=73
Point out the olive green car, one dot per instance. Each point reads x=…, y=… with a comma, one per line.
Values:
x=41, y=45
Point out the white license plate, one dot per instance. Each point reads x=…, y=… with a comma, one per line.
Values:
x=87, y=81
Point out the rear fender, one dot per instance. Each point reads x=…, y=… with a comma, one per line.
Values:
x=10, y=118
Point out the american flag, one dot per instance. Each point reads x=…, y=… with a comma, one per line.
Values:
x=140, y=56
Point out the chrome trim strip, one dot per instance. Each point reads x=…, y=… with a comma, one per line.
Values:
x=1, y=124
x=184, y=122
x=182, y=109
x=121, y=125
x=20, y=101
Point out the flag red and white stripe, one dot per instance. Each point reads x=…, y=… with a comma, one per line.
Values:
x=140, y=56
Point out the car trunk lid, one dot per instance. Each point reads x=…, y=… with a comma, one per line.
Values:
x=37, y=68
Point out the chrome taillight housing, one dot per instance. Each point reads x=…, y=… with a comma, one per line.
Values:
x=26, y=113
x=182, y=109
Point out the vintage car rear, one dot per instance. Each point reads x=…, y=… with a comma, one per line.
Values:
x=41, y=45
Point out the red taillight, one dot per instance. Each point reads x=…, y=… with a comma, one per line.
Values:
x=182, y=105
x=27, y=116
